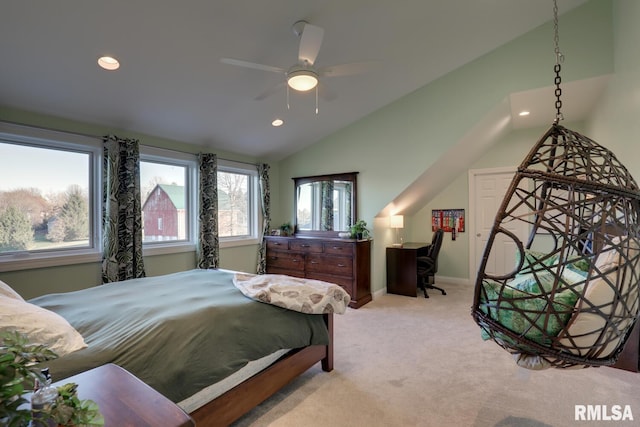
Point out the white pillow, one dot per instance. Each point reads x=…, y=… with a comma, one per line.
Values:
x=41, y=326
x=587, y=327
x=7, y=291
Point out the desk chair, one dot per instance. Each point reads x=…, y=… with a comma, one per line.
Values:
x=427, y=265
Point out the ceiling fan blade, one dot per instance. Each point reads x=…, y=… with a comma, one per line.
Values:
x=310, y=43
x=325, y=93
x=348, y=69
x=246, y=64
x=267, y=93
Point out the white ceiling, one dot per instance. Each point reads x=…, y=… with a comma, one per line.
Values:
x=172, y=84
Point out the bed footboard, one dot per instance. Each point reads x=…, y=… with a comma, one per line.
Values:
x=236, y=402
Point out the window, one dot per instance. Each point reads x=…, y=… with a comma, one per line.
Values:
x=237, y=202
x=167, y=187
x=49, y=197
x=310, y=205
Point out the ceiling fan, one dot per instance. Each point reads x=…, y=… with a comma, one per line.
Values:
x=304, y=75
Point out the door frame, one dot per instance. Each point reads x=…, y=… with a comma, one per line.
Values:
x=471, y=223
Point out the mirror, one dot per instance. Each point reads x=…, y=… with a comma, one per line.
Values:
x=325, y=205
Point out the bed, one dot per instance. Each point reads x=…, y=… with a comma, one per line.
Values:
x=200, y=317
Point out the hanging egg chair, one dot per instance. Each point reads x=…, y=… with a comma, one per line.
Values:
x=572, y=297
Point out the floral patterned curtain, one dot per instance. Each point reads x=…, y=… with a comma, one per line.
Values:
x=208, y=241
x=265, y=194
x=326, y=219
x=121, y=211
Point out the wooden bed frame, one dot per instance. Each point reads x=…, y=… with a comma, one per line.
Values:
x=236, y=402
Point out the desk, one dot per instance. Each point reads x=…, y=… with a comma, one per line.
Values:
x=402, y=274
x=124, y=400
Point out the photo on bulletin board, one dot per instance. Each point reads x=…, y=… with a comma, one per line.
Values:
x=447, y=219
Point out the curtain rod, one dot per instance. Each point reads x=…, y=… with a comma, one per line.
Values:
x=101, y=138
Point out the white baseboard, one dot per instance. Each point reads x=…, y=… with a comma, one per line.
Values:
x=379, y=293
x=456, y=280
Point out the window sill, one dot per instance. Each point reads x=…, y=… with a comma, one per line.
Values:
x=31, y=261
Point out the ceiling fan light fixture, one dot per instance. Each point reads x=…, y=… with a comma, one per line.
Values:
x=302, y=80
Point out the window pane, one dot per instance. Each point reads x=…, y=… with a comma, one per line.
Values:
x=233, y=200
x=164, y=202
x=44, y=198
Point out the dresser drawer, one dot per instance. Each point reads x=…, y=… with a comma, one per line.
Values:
x=278, y=244
x=345, y=282
x=338, y=265
x=303, y=245
x=277, y=270
x=286, y=260
x=338, y=248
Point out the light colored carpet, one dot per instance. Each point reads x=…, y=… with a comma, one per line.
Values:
x=402, y=361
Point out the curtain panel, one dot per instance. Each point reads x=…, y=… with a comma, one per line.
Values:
x=265, y=196
x=208, y=241
x=121, y=210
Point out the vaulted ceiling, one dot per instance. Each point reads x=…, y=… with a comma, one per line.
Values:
x=172, y=82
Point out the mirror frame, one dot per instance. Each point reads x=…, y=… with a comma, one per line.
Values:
x=346, y=176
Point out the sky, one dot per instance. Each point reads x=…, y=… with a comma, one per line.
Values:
x=53, y=171
x=48, y=170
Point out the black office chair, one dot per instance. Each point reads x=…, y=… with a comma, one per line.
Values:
x=428, y=264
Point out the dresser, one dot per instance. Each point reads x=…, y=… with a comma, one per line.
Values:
x=345, y=262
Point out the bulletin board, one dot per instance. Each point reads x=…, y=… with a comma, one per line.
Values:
x=447, y=219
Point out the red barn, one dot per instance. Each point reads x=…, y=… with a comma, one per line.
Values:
x=163, y=213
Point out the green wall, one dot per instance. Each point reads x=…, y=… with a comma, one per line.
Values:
x=396, y=144
x=453, y=261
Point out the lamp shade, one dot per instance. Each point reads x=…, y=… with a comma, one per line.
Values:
x=396, y=221
x=302, y=80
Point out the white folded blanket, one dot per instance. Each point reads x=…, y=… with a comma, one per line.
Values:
x=304, y=295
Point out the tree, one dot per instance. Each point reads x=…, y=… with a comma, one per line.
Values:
x=234, y=185
x=55, y=230
x=15, y=230
x=29, y=201
x=75, y=215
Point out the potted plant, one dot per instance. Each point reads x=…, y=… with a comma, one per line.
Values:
x=359, y=230
x=19, y=371
x=286, y=229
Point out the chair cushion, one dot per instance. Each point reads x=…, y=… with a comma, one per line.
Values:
x=590, y=326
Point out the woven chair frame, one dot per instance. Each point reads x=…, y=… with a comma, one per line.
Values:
x=579, y=203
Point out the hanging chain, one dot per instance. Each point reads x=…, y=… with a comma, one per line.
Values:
x=559, y=59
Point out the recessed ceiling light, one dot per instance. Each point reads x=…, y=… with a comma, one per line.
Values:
x=108, y=63
x=523, y=113
x=277, y=122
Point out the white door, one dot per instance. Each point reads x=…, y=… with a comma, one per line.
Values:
x=489, y=188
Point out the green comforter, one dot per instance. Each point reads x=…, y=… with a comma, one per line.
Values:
x=178, y=333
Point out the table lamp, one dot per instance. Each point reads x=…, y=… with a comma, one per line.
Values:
x=397, y=222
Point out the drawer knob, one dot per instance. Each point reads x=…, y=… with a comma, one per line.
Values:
x=304, y=246
x=341, y=265
x=314, y=262
x=294, y=259
x=338, y=248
